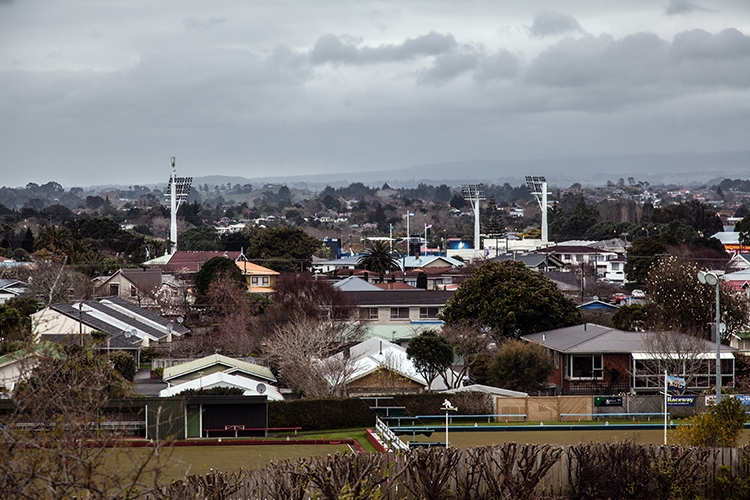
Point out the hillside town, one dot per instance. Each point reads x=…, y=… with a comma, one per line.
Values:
x=215, y=302
x=368, y=263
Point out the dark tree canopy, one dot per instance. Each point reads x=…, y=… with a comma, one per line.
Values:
x=643, y=254
x=212, y=269
x=201, y=238
x=694, y=213
x=283, y=248
x=520, y=366
x=431, y=353
x=510, y=299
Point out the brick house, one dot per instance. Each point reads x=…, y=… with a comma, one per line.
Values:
x=594, y=359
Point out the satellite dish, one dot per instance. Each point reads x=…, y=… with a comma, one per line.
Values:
x=180, y=319
x=261, y=388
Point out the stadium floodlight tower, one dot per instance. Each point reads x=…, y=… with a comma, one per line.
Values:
x=538, y=187
x=474, y=193
x=177, y=192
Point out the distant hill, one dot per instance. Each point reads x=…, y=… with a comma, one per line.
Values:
x=680, y=169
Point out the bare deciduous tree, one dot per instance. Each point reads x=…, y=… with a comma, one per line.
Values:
x=678, y=353
x=52, y=443
x=469, y=340
x=297, y=347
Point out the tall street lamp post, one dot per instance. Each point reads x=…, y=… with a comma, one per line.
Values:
x=712, y=278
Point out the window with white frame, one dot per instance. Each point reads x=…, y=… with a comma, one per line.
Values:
x=584, y=366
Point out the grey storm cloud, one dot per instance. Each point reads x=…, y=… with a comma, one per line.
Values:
x=642, y=58
x=498, y=66
x=330, y=48
x=550, y=23
x=193, y=23
x=676, y=7
x=447, y=67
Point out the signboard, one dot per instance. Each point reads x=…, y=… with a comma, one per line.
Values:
x=607, y=400
x=744, y=399
x=680, y=400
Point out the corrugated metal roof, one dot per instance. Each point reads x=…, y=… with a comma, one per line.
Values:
x=233, y=365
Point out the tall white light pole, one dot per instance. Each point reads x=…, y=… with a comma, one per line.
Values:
x=474, y=193
x=538, y=187
x=409, y=215
x=178, y=189
x=712, y=278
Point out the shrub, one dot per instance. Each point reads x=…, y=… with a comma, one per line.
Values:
x=320, y=414
x=718, y=425
x=124, y=363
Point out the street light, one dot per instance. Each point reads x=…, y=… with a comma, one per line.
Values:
x=712, y=278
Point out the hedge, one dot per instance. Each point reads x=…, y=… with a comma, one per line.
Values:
x=326, y=414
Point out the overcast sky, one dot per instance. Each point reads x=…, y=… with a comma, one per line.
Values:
x=99, y=92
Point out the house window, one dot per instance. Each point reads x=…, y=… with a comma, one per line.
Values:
x=399, y=313
x=368, y=313
x=585, y=366
x=615, y=266
x=114, y=289
x=133, y=291
x=260, y=281
x=428, y=312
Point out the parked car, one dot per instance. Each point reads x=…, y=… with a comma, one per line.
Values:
x=619, y=298
x=638, y=294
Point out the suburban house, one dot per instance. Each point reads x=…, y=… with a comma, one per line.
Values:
x=537, y=261
x=11, y=289
x=185, y=262
x=593, y=359
x=399, y=315
x=128, y=327
x=134, y=285
x=576, y=255
x=259, y=279
x=738, y=262
x=14, y=365
x=376, y=366
x=216, y=363
x=249, y=386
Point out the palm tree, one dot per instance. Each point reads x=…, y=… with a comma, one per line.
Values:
x=379, y=258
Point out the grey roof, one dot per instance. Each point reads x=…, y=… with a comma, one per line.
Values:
x=531, y=259
x=416, y=297
x=355, y=284
x=177, y=328
x=112, y=307
x=591, y=338
x=118, y=341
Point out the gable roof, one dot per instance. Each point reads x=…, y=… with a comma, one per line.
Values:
x=190, y=262
x=591, y=338
x=413, y=261
x=251, y=269
x=119, y=317
x=222, y=379
x=143, y=279
x=373, y=354
x=232, y=366
x=598, y=305
x=355, y=284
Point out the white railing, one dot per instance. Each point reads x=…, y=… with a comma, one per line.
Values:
x=389, y=438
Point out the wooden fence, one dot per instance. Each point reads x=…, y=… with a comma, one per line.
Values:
x=508, y=471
